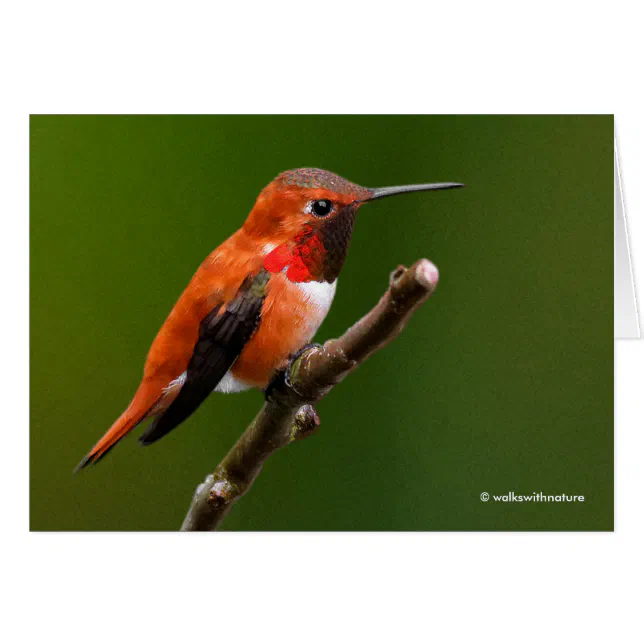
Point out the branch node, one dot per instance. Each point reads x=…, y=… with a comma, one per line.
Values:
x=306, y=422
x=207, y=483
x=396, y=274
x=222, y=492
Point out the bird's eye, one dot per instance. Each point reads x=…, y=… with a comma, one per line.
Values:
x=321, y=208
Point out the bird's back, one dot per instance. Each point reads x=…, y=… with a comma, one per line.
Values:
x=216, y=282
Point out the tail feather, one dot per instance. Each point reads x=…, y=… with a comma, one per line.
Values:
x=144, y=400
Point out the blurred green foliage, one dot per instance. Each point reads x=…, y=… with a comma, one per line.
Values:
x=502, y=381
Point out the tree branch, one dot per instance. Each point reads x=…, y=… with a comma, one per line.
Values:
x=288, y=414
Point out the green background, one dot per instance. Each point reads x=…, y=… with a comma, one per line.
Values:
x=502, y=381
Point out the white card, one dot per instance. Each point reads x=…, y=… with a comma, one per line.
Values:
x=626, y=317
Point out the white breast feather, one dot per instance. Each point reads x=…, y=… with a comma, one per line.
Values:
x=319, y=294
x=231, y=385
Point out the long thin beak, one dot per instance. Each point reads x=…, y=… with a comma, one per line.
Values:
x=379, y=193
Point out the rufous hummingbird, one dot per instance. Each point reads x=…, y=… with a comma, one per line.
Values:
x=254, y=302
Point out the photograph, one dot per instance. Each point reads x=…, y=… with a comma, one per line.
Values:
x=349, y=292
x=335, y=323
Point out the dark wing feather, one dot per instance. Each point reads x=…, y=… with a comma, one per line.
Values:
x=222, y=337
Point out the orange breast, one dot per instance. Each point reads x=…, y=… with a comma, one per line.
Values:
x=291, y=315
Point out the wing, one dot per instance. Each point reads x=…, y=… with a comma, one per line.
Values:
x=223, y=334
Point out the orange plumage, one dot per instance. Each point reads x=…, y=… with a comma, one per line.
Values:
x=228, y=322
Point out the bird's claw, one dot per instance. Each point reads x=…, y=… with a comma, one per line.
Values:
x=283, y=376
x=294, y=357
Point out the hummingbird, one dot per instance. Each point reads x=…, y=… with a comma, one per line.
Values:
x=255, y=301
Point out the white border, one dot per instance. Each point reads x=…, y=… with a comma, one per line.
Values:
x=461, y=57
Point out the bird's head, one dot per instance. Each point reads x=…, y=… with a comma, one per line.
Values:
x=306, y=218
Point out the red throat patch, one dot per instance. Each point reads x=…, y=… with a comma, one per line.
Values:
x=303, y=258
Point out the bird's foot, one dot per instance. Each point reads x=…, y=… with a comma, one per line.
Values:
x=277, y=381
x=283, y=377
x=294, y=357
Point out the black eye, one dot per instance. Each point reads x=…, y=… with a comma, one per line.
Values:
x=321, y=208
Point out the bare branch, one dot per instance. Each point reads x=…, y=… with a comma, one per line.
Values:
x=288, y=414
